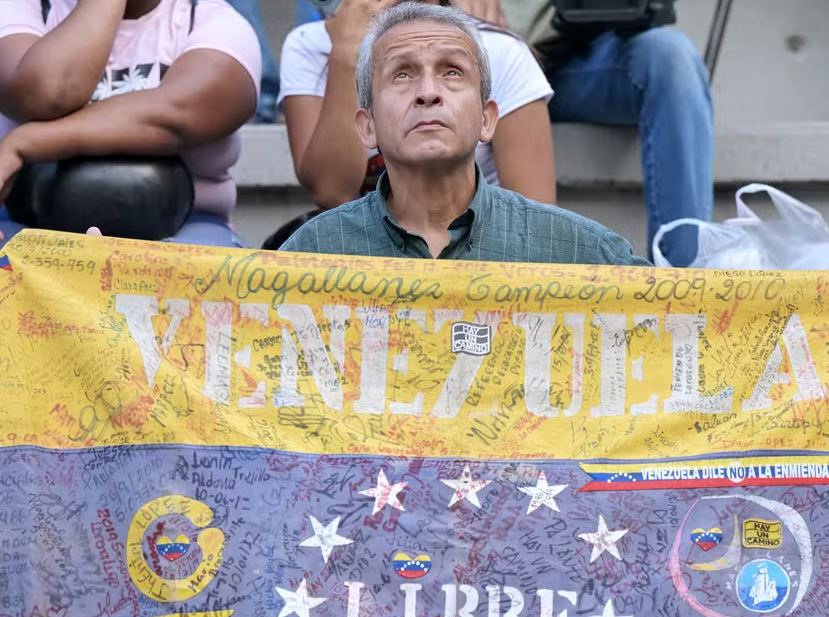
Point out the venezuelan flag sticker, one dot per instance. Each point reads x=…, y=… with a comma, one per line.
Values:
x=412, y=567
x=707, y=539
x=5, y=264
x=172, y=550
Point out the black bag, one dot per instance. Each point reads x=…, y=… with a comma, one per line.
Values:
x=145, y=198
x=578, y=22
x=623, y=16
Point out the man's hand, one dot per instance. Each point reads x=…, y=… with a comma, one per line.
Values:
x=11, y=160
x=487, y=10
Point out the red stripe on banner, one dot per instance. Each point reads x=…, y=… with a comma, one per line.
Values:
x=652, y=485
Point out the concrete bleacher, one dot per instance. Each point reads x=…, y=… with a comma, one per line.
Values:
x=588, y=155
x=772, y=125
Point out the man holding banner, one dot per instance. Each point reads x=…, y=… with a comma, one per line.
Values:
x=426, y=107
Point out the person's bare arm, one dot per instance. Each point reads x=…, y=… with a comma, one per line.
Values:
x=329, y=159
x=523, y=149
x=488, y=10
x=49, y=77
x=204, y=96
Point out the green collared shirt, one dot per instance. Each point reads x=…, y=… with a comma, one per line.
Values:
x=499, y=225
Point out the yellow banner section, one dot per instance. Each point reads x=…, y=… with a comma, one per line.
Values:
x=108, y=341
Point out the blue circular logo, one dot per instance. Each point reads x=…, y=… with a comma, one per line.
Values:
x=762, y=586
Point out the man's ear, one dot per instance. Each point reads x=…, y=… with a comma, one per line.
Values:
x=364, y=123
x=490, y=120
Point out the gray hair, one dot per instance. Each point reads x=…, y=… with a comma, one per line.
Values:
x=416, y=11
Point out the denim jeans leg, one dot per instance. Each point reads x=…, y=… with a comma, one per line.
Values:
x=207, y=230
x=266, y=110
x=655, y=80
x=305, y=12
x=8, y=228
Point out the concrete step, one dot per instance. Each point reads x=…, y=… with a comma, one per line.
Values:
x=588, y=155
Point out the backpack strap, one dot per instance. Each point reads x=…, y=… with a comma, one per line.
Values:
x=45, y=7
x=193, y=4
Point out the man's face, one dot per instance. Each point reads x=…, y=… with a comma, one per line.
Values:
x=427, y=97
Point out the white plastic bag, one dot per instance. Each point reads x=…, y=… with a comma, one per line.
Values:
x=797, y=240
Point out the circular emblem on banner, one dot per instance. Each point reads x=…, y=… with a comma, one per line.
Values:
x=762, y=586
x=172, y=554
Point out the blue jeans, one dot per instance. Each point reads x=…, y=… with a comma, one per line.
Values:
x=305, y=12
x=657, y=81
x=207, y=229
x=266, y=110
x=199, y=228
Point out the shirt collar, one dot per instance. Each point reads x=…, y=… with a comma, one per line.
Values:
x=478, y=209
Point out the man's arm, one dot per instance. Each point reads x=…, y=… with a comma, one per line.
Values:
x=303, y=240
x=205, y=95
x=617, y=251
x=44, y=78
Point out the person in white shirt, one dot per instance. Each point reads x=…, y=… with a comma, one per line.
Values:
x=319, y=99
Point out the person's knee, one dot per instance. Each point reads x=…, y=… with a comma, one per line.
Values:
x=671, y=62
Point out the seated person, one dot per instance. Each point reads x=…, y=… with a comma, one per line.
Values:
x=653, y=79
x=423, y=82
x=318, y=98
x=138, y=77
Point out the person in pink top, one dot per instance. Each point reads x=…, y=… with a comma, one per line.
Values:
x=137, y=77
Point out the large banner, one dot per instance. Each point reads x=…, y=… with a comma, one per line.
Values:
x=205, y=432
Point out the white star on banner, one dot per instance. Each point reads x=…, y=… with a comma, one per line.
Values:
x=298, y=601
x=325, y=537
x=603, y=540
x=542, y=494
x=385, y=494
x=466, y=488
x=609, y=611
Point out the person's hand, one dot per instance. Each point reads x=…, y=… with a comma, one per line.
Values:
x=349, y=24
x=487, y=10
x=11, y=160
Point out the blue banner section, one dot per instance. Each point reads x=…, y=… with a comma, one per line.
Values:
x=146, y=531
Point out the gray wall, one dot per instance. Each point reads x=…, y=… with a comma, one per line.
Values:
x=773, y=63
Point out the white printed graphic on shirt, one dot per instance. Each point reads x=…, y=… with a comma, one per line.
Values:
x=134, y=79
